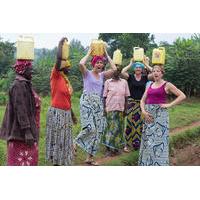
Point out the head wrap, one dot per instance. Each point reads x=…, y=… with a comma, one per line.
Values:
x=137, y=64
x=97, y=58
x=21, y=65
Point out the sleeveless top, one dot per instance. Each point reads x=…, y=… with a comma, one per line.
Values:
x=137, y=88
x=156, y=95
x=92, y=85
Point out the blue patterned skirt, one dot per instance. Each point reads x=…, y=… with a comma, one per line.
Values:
x=154, y=149
x=92, y=123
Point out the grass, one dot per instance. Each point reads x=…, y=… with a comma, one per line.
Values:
x=184, y=114
x=180, y=115
x=126, y=159
x=184, y=138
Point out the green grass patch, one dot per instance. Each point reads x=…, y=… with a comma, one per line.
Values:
x=184, y=138
x=185, y=113
x=126, y=159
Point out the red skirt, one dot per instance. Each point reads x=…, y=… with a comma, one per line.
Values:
x=20, y=154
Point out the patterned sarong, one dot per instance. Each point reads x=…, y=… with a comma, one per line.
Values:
x=154, y=149
x=59, y=140
x=134, y=123
x=20, y=154
x=92, y=122
x=114, y=134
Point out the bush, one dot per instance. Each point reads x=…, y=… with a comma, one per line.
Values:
x=3, y=98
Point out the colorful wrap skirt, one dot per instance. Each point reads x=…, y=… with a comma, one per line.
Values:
x=113, y=136
x=20, y=154
x=59, y=139
x=154, y=149
x=93, y=123
x=134, y=124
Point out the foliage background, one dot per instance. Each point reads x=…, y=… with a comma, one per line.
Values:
x=182, y=60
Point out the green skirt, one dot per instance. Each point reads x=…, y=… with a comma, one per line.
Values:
x=113, y=137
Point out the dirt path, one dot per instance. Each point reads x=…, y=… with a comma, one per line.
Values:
x=184, y=128
x=174, y=131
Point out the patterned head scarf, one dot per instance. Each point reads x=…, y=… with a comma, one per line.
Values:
x=21, y=66
x=97, y=58
x=137, y=64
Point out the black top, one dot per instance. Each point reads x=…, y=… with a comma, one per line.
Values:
x=137, y=88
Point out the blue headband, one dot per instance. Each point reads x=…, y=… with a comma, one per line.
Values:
x=137, y=64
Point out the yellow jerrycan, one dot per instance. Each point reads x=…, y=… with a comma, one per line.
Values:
x=65, y=50
x=97, y=47
x=117, y=57
x=25, y=48
x=158, y=56
x=138, y=54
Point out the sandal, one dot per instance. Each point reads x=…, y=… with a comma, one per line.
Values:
x=94, y=163
x=74, y=149
x=126, y=150
x=91, y=162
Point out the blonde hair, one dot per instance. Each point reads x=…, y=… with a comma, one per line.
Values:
x=161, y=67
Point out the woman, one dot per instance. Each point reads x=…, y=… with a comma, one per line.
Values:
x=154, y=148
x=59, y=140
x=137, y=83
x=20, y=126
x=91, y=104
x=116, y=92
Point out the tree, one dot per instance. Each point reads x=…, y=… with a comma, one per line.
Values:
x=126, y=41
x=77, y=51
x=183, y=67
x=7, y=51
x=45, y=62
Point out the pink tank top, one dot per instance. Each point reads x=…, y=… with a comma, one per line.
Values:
x=156, y=95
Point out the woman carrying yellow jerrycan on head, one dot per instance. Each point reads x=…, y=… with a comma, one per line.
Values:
x=21, y=123
x=116, y=93
x=60, y=117
x=137, y=83
x=154, y=149
x=91, y=104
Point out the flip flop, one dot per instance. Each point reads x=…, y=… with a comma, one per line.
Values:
x=75, y=149
x=91, y=162
x=126, y=150
x=94, y=163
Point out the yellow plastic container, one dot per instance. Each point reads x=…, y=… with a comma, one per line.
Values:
x=65, y=50
x=138, y=54
x=158, y=56
x=25, y=48
x=117, y=57
x=97, y=47
x=65, y=64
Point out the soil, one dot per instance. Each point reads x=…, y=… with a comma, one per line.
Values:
x=188, y=156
